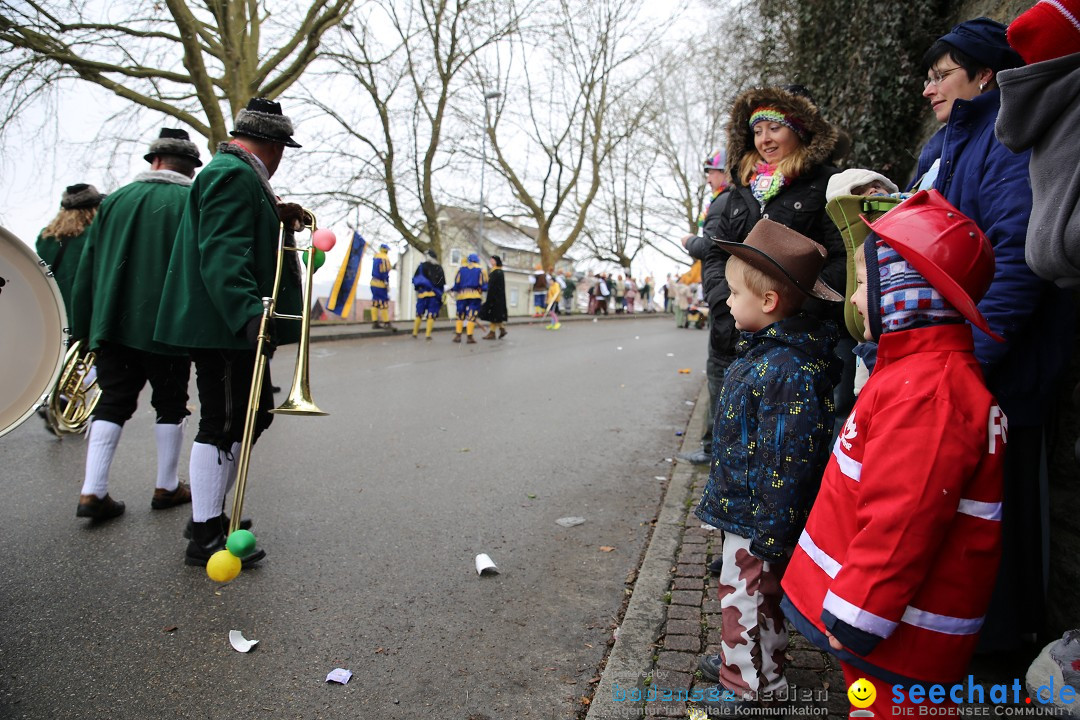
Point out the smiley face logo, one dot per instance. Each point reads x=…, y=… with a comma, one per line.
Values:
x=862, y=693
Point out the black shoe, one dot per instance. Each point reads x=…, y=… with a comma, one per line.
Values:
x=208, y=538
x=699, y=457
x=99, y=509
x=245, y=524
x=709, y=665
x=716, y=565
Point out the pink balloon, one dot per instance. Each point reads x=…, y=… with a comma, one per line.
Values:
x=323, y=239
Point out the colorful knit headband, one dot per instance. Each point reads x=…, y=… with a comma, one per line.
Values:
x=769, y=114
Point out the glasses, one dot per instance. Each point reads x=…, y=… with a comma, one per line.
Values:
x=937, y=77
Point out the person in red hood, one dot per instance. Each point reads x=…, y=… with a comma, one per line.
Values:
x=894, y=570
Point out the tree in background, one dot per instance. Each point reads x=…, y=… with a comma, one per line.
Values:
x=179, y=58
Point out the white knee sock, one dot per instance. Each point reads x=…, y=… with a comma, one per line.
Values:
x=101, y=443
x=169, y=439
x=208, y=473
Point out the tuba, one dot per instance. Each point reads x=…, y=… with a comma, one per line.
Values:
x=34, y=327
x=299, y=400
x=75, y=394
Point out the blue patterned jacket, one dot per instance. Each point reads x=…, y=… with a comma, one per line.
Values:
x=771, y=434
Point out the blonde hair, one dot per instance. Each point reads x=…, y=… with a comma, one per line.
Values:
x=795, y=164
x=69, y=223
x=759, y=283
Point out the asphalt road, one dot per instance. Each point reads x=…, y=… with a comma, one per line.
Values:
x=371, y=519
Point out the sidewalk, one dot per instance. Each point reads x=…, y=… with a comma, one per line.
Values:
x=674, y=617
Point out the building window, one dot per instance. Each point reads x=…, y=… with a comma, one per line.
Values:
x=455, y=256
x=513, y=297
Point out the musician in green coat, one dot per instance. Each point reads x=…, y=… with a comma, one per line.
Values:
x=60, y=243
x=115, y=297
x=222, y=265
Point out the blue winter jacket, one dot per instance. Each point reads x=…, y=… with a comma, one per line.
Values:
x=773, y=423
x=989, y=183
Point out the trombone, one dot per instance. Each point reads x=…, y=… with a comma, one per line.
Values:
x=299, y=400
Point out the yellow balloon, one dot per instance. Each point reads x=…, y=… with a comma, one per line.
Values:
x=223, y=566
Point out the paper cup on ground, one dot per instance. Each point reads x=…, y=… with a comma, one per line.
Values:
x=485, y=564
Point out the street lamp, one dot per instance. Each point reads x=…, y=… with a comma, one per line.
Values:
x=489, y=95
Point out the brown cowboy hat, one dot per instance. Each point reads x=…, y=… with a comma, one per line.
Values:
x=788, y=256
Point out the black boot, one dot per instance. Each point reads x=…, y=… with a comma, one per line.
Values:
x=207, y=538
x=245, y=524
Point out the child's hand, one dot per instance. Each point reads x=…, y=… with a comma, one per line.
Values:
x=833, y=642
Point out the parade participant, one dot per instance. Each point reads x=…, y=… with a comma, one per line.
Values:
x=60, y=243
x=116, y=292
x=494, y=308
x=894, y=570
x=774, y=418
x=990, y=184
x=470, y=282
x=722, y=332
x=380, y=288
x=539, y=290
x=222, y=265
x=570, y=292
x=552, y=307
x=429, y=280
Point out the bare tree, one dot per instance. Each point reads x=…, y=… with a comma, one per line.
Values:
x=179, y=58
x=395, y=143
x=575, y=71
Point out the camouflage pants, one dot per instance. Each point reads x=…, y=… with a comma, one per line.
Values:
x=753, y=637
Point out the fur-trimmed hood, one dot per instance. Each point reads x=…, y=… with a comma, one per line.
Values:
x=822, y=135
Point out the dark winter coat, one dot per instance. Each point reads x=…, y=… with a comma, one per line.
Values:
x=494, y=307
x=722, y=332
x=62, y=257
x=771, y=432
x=989, y=183
x=799, y=205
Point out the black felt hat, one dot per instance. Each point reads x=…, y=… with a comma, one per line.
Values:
x=263, y=119
x=173, y=142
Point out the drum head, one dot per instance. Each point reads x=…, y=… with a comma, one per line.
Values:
x=33, y=328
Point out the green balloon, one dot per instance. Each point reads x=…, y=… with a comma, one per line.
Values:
x=241, y=543
x=320, y=257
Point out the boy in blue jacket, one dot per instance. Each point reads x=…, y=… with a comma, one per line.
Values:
x=771, y=433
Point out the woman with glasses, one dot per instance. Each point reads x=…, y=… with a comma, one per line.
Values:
x=988, y=183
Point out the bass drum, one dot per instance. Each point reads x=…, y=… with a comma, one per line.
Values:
x=33, y=327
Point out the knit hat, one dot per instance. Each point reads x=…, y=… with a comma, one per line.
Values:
x=383, y=247
x=849, y=182
x=80, y=196
x=771, y=114
x=474, y=258
x=262, y=119
x=898, y=297
x=1049, y=30
x=716, y=160
x=984, y=41
x=173, y=142
x=785, y=255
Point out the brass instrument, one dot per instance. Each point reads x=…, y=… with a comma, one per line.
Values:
x=299, y=400
x=33, y=324
x=75, y=394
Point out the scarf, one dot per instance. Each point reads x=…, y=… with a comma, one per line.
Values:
x=766, y=182
x=705, y=210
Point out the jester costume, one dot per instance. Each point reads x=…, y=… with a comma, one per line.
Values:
x=380, y=286
x=469, y=286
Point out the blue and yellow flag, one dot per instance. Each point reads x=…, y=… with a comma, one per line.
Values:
x=341, y=297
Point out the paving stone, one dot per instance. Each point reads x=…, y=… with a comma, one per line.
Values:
x=696, y=530
x=682, y=643
x=694, y=571
x=714, y=620
x=804, y=678
x=677, y=661
x=682, y=612
x=683, y=627
x=688, y=583
x=689, y=539
x=710, y=606
x=673, y=679
x=692, y=558
x=809, y=659
x=713, y=637
x=686, y=597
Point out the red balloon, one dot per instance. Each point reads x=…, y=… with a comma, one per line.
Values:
x=323, y=239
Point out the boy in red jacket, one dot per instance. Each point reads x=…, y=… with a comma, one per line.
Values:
x=894, y=570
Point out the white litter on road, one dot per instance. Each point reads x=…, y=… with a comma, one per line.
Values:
x=339, y=675
x=570, y=521
x=485, y=564
x=236, y=639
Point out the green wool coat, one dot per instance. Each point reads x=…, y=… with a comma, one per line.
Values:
x=223, y=262
x=118, y=286
x=48, y=249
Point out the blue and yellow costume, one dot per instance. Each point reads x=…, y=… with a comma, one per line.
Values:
x=380, y=284
x=469, y=286
x=428, y=280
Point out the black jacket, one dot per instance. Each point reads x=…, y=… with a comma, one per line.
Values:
x=494, y=307
x=713, y=259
